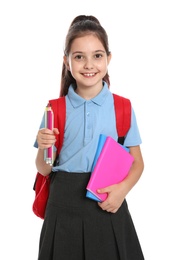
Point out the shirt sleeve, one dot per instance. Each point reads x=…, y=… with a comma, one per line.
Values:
x=133, y=137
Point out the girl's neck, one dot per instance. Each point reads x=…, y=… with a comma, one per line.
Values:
x=88, y=93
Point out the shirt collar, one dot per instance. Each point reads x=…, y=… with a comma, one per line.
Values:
x=77, y=101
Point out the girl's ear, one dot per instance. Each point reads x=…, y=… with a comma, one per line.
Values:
x=109, y=58
x=65, y=60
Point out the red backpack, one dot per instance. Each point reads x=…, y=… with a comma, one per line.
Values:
x=122, y=107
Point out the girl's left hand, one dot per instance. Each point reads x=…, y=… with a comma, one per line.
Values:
x=114, y=199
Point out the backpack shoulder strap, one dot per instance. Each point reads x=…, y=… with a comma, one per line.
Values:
x=59, y=109
x=123, y=116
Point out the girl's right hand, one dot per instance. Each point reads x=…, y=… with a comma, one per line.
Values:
x=46, y=137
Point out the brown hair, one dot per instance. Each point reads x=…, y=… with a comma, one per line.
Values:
x=82, y=25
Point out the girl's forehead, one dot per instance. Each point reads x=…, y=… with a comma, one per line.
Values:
x=87, y=42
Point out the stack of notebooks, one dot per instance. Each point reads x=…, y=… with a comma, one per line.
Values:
x=111, y=165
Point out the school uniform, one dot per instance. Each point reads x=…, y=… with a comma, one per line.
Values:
x=75, y=227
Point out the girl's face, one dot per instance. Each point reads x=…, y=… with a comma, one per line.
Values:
x=87, y=61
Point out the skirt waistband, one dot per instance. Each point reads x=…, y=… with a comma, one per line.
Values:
x=69, y=189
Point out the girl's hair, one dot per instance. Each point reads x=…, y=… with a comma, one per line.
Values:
x=82, y=25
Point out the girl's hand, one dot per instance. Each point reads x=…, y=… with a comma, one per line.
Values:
x=46, y=137
x=114, y=199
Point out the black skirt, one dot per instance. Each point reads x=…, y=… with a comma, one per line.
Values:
x=76, y=228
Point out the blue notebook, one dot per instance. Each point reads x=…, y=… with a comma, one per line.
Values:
x=101, y=142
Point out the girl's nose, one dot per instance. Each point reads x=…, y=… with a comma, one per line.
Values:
x=88, y=64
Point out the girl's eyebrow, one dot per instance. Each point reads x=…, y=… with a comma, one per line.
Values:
x=81, y=52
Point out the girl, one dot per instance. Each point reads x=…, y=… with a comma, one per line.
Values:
x=75, y=227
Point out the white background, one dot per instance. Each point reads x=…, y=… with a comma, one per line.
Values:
x=32, y=37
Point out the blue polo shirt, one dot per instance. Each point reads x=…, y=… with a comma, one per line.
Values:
x=85, y=121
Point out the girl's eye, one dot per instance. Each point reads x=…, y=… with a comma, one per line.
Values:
x=98, y=56
x=78, y=57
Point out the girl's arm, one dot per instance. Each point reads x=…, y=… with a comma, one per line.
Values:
x=135, y=171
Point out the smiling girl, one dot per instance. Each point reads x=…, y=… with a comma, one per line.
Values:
x=75, y=227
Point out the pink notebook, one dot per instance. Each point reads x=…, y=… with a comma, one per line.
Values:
x=112, y=167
